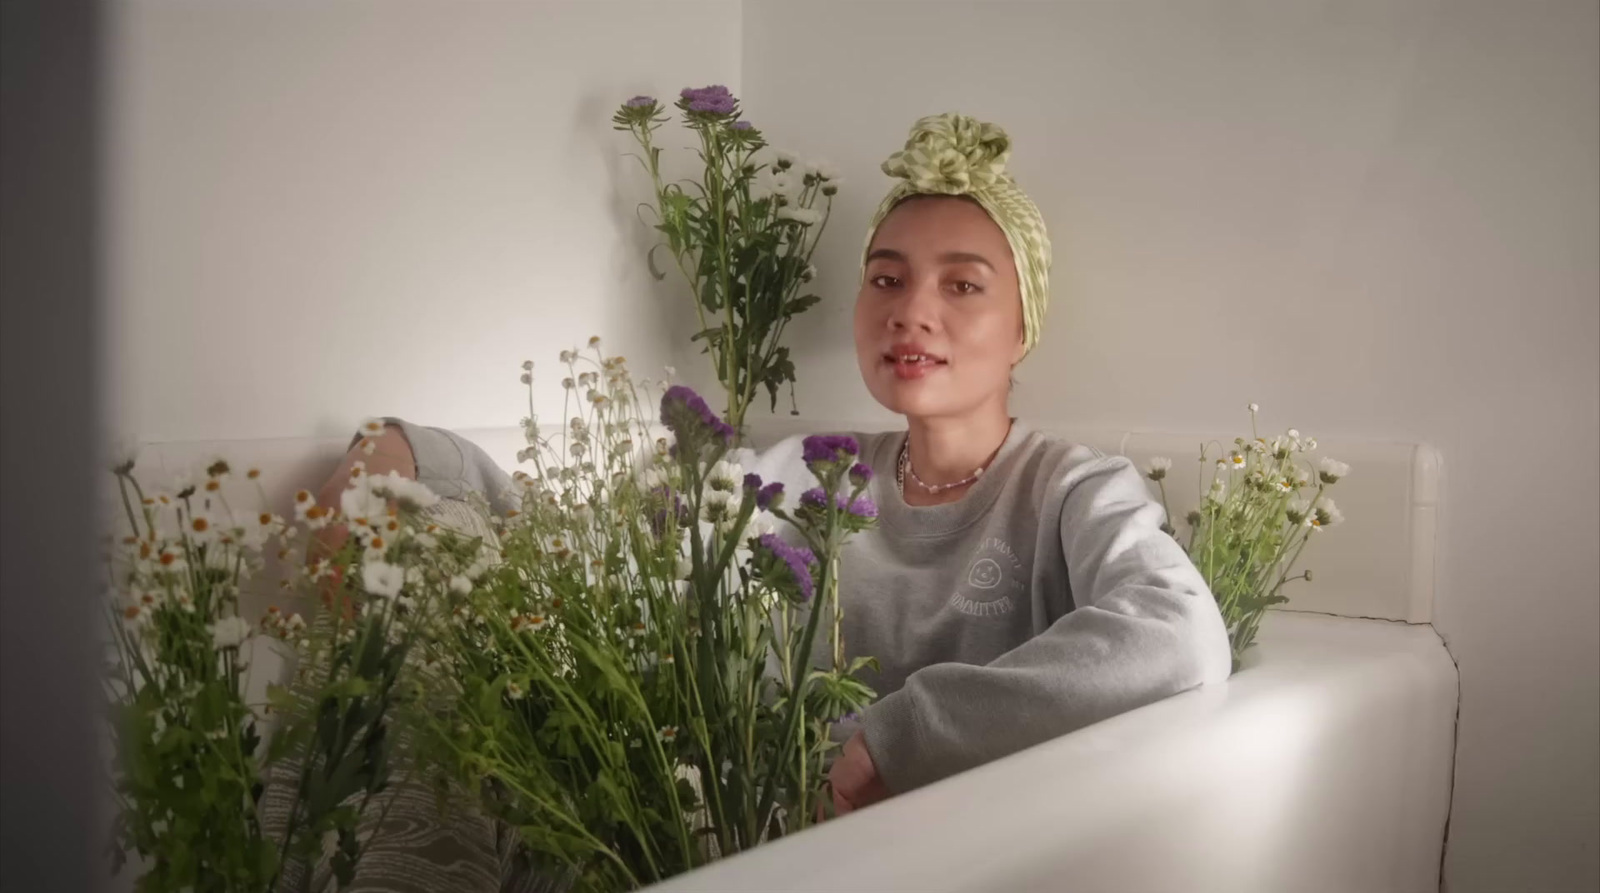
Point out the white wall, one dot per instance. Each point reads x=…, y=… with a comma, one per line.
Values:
x=319, y=211
x=1377, y=219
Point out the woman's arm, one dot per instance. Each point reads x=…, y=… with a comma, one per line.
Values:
x=1145, y=627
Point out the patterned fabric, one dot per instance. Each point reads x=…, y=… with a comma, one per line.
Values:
x=954, y=154
x=412, y=840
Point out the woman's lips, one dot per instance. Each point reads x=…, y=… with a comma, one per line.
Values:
x=909, y=366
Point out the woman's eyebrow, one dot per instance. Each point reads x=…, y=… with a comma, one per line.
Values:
x=965, y=257
x=949, y=257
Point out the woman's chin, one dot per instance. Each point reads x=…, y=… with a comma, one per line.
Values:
x=907, y=398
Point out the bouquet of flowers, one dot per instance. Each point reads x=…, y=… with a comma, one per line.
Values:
x=644, y=676
x=193, y=756
x=742, y=236
x=1258, y=515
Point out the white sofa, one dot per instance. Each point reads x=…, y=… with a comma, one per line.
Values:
x=1325, y=763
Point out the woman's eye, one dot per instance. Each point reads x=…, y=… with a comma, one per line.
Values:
x=966, y=288
x=883, y=281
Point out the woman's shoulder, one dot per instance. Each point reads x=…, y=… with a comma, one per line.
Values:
x=1051, y=458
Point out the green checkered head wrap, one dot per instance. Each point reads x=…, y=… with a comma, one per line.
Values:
x=954, y=154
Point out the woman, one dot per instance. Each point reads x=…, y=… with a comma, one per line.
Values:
x=1017, y=586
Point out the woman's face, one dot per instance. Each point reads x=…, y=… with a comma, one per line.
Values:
x=939, y=315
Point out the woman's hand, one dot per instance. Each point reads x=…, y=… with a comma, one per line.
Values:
x=854, y=778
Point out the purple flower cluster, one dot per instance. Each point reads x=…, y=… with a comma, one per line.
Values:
x=798, y=560
x=715, y=99
x=659, y=522
x=752, y=482
x=829, y=448
x=743, y=125
x=686, y=415
x=860, y=474
x=770, y=496
x=640, y=102
x=861, y=506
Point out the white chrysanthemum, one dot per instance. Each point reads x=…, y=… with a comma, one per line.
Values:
x=782, y=184
x=382, y=579
x=1255, y=407
x=1326, y=515
x=802, y=216
x=485, y=561
x=200, y=527
x=1298, y=510
x=410, y=493
x=1159, y=466
x=760, y=525
x=361, y=505
x=229, y=632
x=460, y=585
x=654, y=476
x=667, y=734
x=724, y=475
x=1236, y=461
x=784, y=160
x=719, y=506
x=822, y=170
x=1331, y=470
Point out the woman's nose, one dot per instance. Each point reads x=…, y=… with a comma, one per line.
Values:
x=917, y=310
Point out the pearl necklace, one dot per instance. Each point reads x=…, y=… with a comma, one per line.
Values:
x=904, y=466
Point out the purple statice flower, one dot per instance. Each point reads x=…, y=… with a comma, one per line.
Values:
x=770, y=496
x=659, y=521
x=860, y=474
x=686, y=414
x=829, y=448
x=862, y=507
x=752, y=482
x=797, y=559
x=715, y=99
x=743, y=125
x=639, y=102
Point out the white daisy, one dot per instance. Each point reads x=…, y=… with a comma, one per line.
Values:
x=229, y=632
x=1159, y=466
x=303, y=502
x=802, y=216
x=362, y=505
x=1326, y=515
x=724, y=475
x=382, y=579
x=1329, y=471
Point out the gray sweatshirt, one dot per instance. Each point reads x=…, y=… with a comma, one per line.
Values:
x=1045, y=599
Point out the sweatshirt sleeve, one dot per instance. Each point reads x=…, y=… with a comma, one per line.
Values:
x=1144, y=627
x=453, y=467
